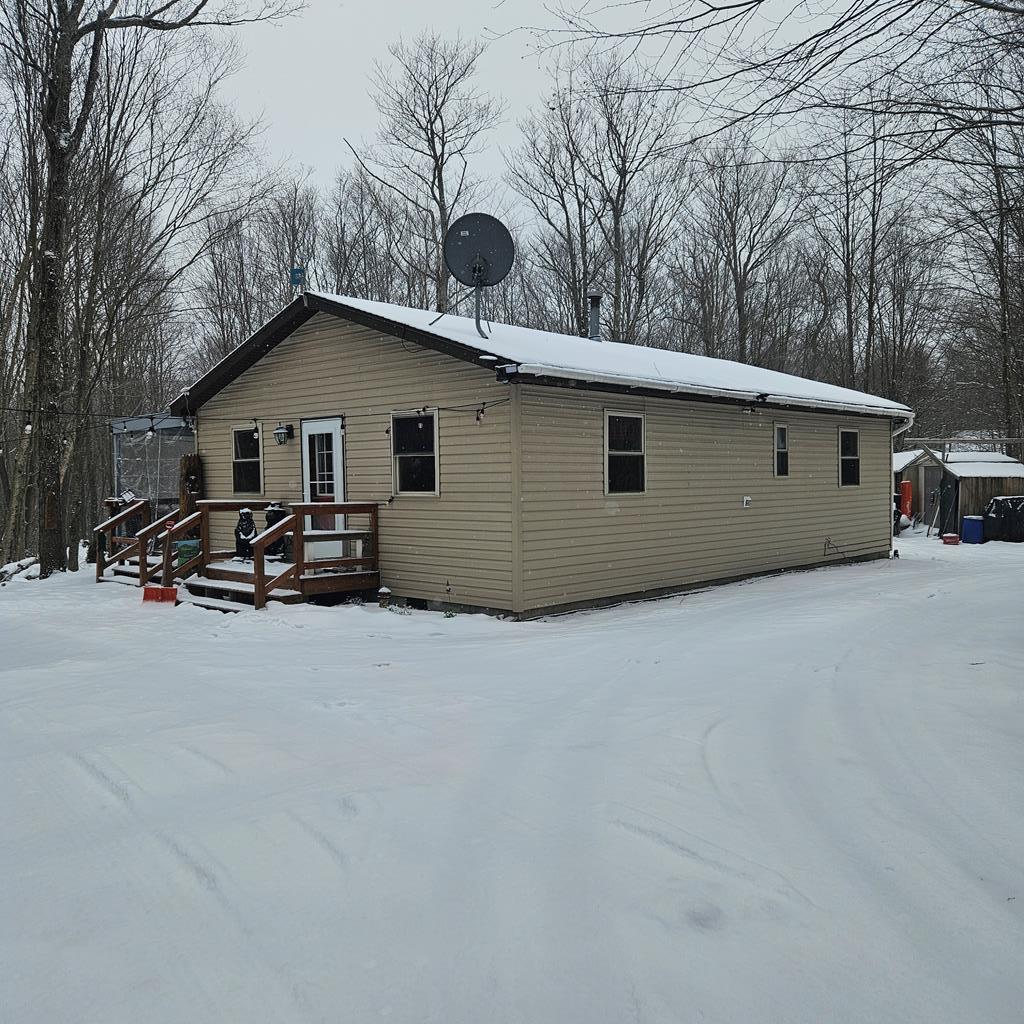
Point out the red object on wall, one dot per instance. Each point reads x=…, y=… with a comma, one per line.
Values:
x=160, y=594
x=906, y=497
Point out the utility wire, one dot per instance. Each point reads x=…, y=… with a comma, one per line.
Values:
x=159, y=418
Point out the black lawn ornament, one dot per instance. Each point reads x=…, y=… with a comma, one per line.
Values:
x=245, y=534
x=275, y=513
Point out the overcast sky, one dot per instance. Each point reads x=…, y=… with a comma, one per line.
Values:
x=307, y=77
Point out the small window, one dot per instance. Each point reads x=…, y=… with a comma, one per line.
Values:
x=625, y=458
x=414, y=449
x=781, y=450
x=849, y=458
x=246, y=471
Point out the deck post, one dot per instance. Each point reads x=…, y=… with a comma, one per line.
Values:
x=374, y=538
x=299, y=549
x=205, y=556
x=259, y=583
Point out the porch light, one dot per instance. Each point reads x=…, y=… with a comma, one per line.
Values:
x=283, y=433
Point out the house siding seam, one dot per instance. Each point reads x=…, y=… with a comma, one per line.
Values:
x=453, y=547
x=580, y=544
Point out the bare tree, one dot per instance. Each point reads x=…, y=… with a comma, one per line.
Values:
x=750, y=61
x=433, y=120
x=57, y=75
x=55, y=50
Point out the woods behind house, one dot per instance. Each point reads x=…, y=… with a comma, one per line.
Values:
x=144, y=235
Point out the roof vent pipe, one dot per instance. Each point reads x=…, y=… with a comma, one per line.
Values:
x=595, y=315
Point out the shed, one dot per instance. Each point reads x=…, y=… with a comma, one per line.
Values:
x=963, y=483
x=527, y=471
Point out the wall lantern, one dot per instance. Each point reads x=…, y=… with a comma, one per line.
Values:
x=283, y=433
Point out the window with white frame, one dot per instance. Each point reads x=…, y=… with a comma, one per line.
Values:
x=625, y=453
x=781, y=449
x=414, y=452
x=246, y=463
x=849, y=458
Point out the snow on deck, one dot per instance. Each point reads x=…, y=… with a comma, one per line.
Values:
x=541, y=353
x=795, y=799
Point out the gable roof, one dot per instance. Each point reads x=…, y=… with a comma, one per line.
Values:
x=900, y=460
x=975, y=464
x=1002, y=468
x=521, y=353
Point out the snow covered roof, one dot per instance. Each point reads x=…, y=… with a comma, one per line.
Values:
x=1005, y=468
x=543, y=354
x=900, y=460
x=522, y=353
x=978, y=456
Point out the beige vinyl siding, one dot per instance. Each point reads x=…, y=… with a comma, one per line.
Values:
x=456, y=546
x=580, y=544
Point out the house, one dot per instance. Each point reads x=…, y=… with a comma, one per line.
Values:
x=950, y=485
x=527, y=471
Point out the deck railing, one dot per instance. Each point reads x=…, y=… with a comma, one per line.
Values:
x=113, y=548
x=262, y=584
x=304, y=568
x=157, y=534
x=199, y=521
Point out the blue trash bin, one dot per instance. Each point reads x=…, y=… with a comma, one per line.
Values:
x=973, y=530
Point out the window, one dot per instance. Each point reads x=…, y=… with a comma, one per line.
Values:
x=849, y=458
x=246, y=471
x=625, y=460
x=414, y=450
x=781, y=450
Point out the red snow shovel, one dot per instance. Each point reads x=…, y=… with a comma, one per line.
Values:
x=161, y=594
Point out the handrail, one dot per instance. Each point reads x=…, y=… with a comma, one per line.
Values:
x=138, y=507
x=126, y=513
x=144, y=535
x=216, y=505
x=261, y=585
x=183, y=526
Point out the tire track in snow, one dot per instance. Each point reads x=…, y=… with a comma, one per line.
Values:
x=207, y=758
x=786, y=889
x=321, y=840
x=118, y=790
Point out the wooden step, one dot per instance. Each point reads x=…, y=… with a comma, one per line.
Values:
x=131, y=567
x=243, y=572
x=213, y=603
x=128, y=581
x=238, y=589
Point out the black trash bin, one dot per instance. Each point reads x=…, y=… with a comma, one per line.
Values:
x=1004, y=519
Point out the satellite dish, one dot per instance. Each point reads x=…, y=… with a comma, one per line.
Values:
x=478, y=252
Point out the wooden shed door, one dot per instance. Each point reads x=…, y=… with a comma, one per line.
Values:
x=323, y=479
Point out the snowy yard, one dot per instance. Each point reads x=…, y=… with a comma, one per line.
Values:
x=799, y=799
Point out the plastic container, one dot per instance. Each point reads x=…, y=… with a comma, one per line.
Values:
x=950, y=538
x=185, y=550
x=973, y=531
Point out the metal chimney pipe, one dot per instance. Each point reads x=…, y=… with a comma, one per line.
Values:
x=595, y=315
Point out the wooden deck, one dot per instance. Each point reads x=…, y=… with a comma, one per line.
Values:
x=215, y=579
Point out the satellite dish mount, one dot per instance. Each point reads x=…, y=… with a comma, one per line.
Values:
x=479, y=252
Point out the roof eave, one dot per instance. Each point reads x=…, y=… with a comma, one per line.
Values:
x=554, y=377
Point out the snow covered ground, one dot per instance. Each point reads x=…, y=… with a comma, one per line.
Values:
x=799, y=799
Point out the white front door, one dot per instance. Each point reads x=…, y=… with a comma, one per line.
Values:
x=323, y=479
